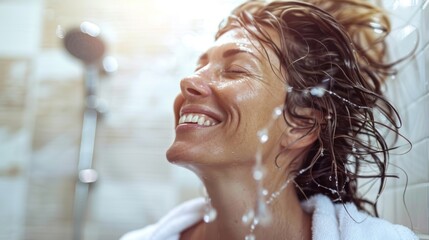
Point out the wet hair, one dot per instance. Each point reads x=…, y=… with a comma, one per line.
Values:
x=332, y=54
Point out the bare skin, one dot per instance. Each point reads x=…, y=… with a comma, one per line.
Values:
x=231, y=84
x=289, y=221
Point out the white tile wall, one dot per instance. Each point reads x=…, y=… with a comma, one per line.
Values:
x=405, y=202
x=12, y=208
x=424, y=23
x=20, y=35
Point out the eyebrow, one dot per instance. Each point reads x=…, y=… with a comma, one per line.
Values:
x=231, y=52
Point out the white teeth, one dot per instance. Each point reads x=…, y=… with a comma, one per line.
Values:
x=195, y=119
x=189, y=118
x=182, y=119
x=200, y=120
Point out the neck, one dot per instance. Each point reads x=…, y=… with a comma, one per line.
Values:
x=233, y=192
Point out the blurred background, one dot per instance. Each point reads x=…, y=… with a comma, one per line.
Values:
x=149, y=46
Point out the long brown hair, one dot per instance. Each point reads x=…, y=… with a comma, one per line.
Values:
x=332, y=54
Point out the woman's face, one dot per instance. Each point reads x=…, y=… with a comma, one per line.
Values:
x=228, y=99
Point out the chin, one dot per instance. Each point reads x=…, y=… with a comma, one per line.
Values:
x=191, y=157
x=183, y=157
x=179, y=154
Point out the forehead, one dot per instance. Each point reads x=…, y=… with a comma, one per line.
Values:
x=244, y=41
x=235, y=36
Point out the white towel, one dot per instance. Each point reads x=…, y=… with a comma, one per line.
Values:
x=345, y=222
x=329, y=222
x=172, y=224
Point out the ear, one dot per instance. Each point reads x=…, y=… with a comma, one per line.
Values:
x=301, y=133
x=294, y=138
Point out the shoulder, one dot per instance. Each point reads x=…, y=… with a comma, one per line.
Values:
x=350, y=223
x=171, y=225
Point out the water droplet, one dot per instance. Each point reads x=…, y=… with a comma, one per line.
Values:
x=255, y=222
x=330, y=178
x=210, y=215
x=263, y=215
x=252, y=227
x=277, y=112
x=289, y=89
x=258, y=174
x=264, y=192
x=250, y=236
x=248, y=217
x=354, y=149
x=317, y=91
x=263, y=135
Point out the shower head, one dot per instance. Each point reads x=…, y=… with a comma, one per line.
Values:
x=84, y=43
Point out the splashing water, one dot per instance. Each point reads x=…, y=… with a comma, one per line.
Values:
x=263, y=135
x=210, y=215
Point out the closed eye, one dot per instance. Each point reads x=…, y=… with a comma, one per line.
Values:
x=236, y=69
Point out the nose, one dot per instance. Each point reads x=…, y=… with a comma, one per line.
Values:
x=195, y=87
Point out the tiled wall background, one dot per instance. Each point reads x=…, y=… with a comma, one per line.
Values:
x=406, y=200
x=155, y=44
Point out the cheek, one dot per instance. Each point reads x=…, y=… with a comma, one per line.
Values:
x=241, y=92
x=255, y=100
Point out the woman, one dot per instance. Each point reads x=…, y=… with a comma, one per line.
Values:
x=277, y=121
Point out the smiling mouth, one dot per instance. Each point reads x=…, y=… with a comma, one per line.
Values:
x=199, y=119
